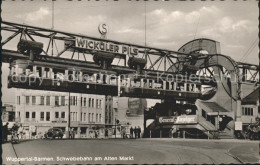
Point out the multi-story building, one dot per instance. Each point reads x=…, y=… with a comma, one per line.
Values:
x=39, y=111
x=8, y=113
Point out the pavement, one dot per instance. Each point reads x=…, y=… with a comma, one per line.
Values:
x=133, y=151
x=8, y=151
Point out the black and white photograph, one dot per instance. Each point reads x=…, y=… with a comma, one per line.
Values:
x=130, y=82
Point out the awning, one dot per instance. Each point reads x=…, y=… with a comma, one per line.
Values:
x=215, y=109
x=252, y=97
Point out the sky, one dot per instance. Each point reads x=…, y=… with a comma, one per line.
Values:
x=169, y=25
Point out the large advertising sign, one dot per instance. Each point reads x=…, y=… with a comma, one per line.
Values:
x=136, y=106
x=186, y=119
x=105, y=46
x=167, y=119
x=183, y=119
x=238, y=126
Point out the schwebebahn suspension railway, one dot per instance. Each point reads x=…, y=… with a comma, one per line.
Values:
x=100, y=66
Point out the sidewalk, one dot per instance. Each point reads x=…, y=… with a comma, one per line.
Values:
x=7, y=151
x=203, y=140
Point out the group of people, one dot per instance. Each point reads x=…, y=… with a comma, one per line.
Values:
x=135, y=132
x=16, y=131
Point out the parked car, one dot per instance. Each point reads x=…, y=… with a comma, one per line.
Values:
x=53, y=133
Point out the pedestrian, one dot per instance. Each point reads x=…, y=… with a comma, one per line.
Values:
x=71, y=132
x=106, y=133
x=139, y=132
x=5, y=132
x=124, y=133
x=96, y=135
x=131, y=132
x=135, y=132
x=20, y=131
x=174, y=132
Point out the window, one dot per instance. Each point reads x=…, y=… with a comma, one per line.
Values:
x=73, y=100
x=27, y=115
x=247, y=111
x=92, y=119
x=63, y=115
x=81, y=101
x=100, y=102
x=85, y=101
x=48, y=115
x=89, y=102
x=42, y=116
x=62, y=100
x=93, y=102
x=100, y=118
x=97, y=106
x=96, y=117
x=73, y=113
x=27, y=98
x=56, y=100
x=33, y=100
x=81, y=116
x=88, y=117
x=33, y=115
x=56, y=114
x=85, y=116
x=48, y=100
x=42, y=100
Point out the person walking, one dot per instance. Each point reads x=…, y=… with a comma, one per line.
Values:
x=106, y=133
x=71, y=132
x=5, y=132
x=124, y=133
x=95, y=132
x=135, y=132
x=20, y=131
x=131, y=132
x=139, y=132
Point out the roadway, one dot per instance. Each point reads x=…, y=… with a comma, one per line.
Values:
x=131, y=151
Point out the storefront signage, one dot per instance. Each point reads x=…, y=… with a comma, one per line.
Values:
x=59, y=121
x=105, y=46
x=166, y=119
x=186, y=119
x=238, y=126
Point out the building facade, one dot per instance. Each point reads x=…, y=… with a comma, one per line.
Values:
x=39, y=111
x=8, y=113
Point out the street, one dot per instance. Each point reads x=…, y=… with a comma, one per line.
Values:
x=131, y=151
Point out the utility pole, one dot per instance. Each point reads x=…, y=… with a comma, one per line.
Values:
x=115, y=128
x=69, y=115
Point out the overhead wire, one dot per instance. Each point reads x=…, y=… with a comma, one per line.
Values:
x=249, y=50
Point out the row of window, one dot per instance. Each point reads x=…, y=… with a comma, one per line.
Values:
x=61, y=115
x=91, y=102
x=246, y=111
x=60, y=101
x=43, y=114
x=91, y=117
